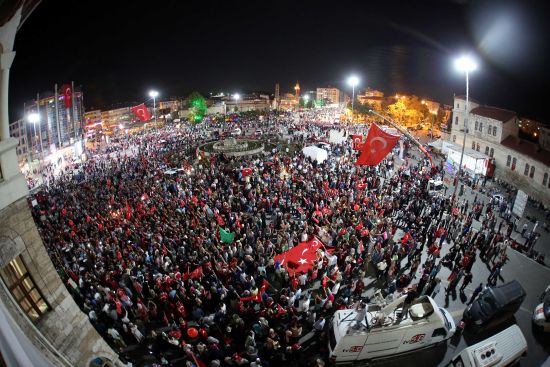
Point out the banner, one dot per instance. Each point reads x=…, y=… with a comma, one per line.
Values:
x=377, y=146
x=141, y=112
x=67, y=93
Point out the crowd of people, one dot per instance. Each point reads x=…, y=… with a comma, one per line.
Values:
x=145, y=252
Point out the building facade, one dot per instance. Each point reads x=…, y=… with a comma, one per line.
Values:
x=111, y=119
x=330, y=93
x=56, y=126
x=18, y=130
x=494, y=132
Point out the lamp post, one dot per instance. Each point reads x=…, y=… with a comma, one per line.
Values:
x=306, y=100
x=466, y=65
x=154, y=94
x=237, y=98
x=34, y=118
x=353, y=81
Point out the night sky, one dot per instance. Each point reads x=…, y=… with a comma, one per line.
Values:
x=118, y=50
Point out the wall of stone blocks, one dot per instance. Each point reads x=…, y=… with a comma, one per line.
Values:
x=65, y=326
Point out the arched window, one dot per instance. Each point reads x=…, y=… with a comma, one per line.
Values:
x=475, y=128
x=487, y=150
x=526, y=170
x=494, y=131
x=492, y=152
x=473, y=144
x=508, y=160
x=454, y=138
x=532, y=173
x=478, y=147
x=514, y=163
x=545, y=179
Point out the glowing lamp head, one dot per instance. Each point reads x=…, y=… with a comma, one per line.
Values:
x=34, y=117
x=153, y=94
x=237, y=96
x=466, y=64
x=353, y=80
x=306, y=97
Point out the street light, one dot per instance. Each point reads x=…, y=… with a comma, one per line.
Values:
x=464, y=64
x=34, y=118
x=353, y=81
x=154, y=94
x=306, y=100
x=236, y=97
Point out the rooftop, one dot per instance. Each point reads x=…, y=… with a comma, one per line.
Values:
x=494, y=113
x=527, y=148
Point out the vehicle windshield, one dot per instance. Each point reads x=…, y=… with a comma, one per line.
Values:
x=487, y=304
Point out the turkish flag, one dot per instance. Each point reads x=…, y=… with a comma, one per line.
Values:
x=379, y=143
x=299, y=259
x=141, y=112
x=357, y=142
x=67, y=92
x=246, y=172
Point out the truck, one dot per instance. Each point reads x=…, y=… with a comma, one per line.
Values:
x=503, y=349
x=387, y=332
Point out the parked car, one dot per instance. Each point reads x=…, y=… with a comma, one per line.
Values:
x=494, y=304
x=541, y=315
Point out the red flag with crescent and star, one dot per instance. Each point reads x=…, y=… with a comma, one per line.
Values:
x=300, y=258
x=67, y=92
x=377, y=146
x=357, y=142
x=141, y=112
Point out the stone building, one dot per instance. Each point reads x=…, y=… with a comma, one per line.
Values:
x=40, y=324
x=494, y=132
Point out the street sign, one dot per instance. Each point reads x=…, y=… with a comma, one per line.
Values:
x=519, y=203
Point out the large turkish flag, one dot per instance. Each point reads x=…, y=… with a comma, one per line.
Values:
x=67, y=93
x=299, y=259
x=377, y=146
x=141, y=112
x=357, y=142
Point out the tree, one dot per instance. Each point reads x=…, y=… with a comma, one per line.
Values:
x=408, y=111
x=197, y=107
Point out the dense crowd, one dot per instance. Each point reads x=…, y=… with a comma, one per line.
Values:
x=141, y=245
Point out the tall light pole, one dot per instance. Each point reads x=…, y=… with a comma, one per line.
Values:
x=154, y=94
x=466, y=65
x=34, y=118
x=237, y=98
x=353, y=81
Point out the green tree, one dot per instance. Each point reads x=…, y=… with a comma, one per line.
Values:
x=197, y=107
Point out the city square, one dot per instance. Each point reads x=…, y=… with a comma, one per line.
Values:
x=277, y=221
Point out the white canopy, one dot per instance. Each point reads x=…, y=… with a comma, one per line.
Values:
x=315, y=153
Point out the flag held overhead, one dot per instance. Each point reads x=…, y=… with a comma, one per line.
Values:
x=377, y=146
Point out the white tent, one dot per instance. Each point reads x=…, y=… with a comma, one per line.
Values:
x=315, y=153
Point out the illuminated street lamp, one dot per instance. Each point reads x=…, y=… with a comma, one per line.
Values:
x=237, y=97
x=353, y=81
x=34, y=118
x=154, y=94
x=306, y=100
x=466, y=65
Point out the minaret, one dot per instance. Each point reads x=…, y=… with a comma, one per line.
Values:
x=297, y=90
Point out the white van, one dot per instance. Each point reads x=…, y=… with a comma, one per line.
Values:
x=541, y=315
x=502, y=349
x=386, y=333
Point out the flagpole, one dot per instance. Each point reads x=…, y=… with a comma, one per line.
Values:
x=57, y=117
x=407, y=134
x=72, y=110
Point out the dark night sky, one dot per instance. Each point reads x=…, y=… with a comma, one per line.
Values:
x=118, y=50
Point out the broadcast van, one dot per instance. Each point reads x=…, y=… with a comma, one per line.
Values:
x=386, y=332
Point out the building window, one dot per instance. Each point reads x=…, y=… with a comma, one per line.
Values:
x=477, y=148
x=454, y=138
x=491, y=153
x=508, y=160
x=545, y=179
x=494, y=131
x=480, y=126
x=486, y=150
x=514, y=163
x=526, y=170
x=456, y=120
x=532, y=173
x=23, y=289
x=458, y=105
x=475, y=128
x=473, y=144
